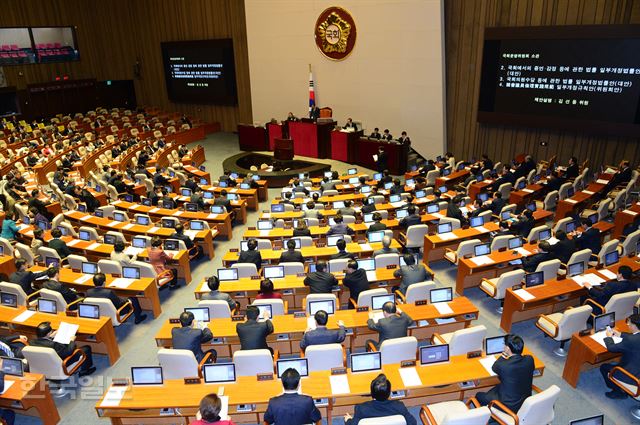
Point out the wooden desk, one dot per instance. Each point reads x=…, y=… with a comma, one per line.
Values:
x=29, y=395
x=145, y=289
x=249, y=195
x=551, y=297
x=579, y=201
x=530, y=193
x=439, y=382
x=452, y=179
x=96, y=333
x=623, y=218
x=288, y=330
x=203, y=238
x=586, y=353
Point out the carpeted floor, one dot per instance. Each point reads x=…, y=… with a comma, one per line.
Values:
x=137, y=345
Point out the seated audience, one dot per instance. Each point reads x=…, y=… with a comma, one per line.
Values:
x=214, y=294
x=209, y=412
x=266, y=291
x=386, y=247
x=394, y=324
x=252, y=333
x=44, y=338
x=320, y=281
x=355, y=280
x=190, y=337
x=629, y=348
x=342, y=251
x=411, y=273
x=251, y=255
x=322, y=335
x=291, y=408
x=380, y=406
x=291, y=255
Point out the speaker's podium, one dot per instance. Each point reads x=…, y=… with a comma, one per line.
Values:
x=311, y=138
x=283, y=149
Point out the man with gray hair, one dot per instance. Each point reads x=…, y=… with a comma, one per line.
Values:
x=386, y=247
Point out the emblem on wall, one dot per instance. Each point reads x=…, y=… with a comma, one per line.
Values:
x=335, y=33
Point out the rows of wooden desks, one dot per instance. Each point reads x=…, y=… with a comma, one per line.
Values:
x=288, y=329
x=580, y=200
x=95, y=251
x=438, y=382
x=552, y=296
x=239, y=206
x=471, y=271
x=435, y=245
x=624, y=218
x=29, y=395
x=96, y=333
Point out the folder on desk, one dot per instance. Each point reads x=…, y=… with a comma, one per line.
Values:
x=339, y=384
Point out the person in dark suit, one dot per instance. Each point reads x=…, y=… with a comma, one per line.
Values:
x=387, y=135
x=342, y=251
x=497, y=203
x=380, y=406
x=179, y=234
x=383, y=158
x=197, y=198
x=314, y=113
x=375, y=134
x=222, y=201
x=525, y=167
x=340, y=228
x=516, y=376
x=563, y=249
x=404, y=138
x=44, y=338
x=322, y=335
x=386, y=247
x=213, y=283
x=530, y=263
x=35, y=202
x=377, y=223
x=601, y=294
x=253, y=334
x=573, y=170
x=24, y=277
x=251, y=255
x=629, y=347
x=355, y=280
x=291, y=408
x=621, y=177
x=588, y=238
x=320, y=281
x=454, y=211
x=99, y=291
x=190, y=337
x=291, y=255
x=411, y=273
x=53, y=284
x=350, y=124
x=524, y=224
x=411, y=218
x=59, y=245
x=393, y=325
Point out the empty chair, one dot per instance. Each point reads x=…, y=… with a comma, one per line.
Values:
x=384, y=260
x=324, y=356
x=218, y=309
x=550, y=201
x=462, y=341
x=563, y=192
x=92, y=232
x=107, y=210
x=46, y=361
x=25, y=253
x=505, y=190
x=111, y=267
x=455, y=413
x=252, y=362
x=46, y=252
x=292, y=268
x=536, y=409
x=396, y=350
x=632, y=389
x=549, y=268
x=534, y=234
x=560, y=326
x=630, y=243
x=465, y=249
x=321, y=297
x=305, y=241
x=414, y=238
x=417, y=291
x=500, y=242
x=264, y=244
x=278, y=307
x=364, y=298
x=497, y=287
x=7, y=248
x=75, y=261
x=245, y=269
x=620, y=304
x=432, y=176
x=180, y=364
x=117, y=315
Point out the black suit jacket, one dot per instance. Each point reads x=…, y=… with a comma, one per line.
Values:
x=191, y=339
x=68, y=295
x=320, y=282
x=394, y=326
x=530, y=263
x=572, y=171
x=356, y=282
x=292, y=409
x=563, y=249
x=589, y=240
x=516, y=378
x=497, y=204
x=186, y=239
x=251, y=257
x=60, y=246
x=291, y=257
x=630, y=349
x=63, y=350
x=378, y=409
x=522, y=227
x=410, y=220
x=25, y=279
x=100, y=292
x=603, y=293
x=253, y=334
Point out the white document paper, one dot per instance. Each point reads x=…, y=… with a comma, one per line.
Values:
x=600, y=336
x=447, y=236
x=84, y=278
x=482, y=260
x=86, y=217
x=113, y=223
x=527, y=190
x=113, y=396
x=375, y=158
x=410, y=377
x=366, y=247
x=73, y=242
x=153, y=210
x=7, y=385
x=524, y=294
x=264, y=232
x=116, y=202
x=128, y=226
x=266, y=215
x=311, y=323
x=94, y=246
x=224, y=408
x=437, y=215
x=130, y=250
x=552, y=240
x=443, y=308
x=588, y=192
x=371, y=275
x=22, y=317
x=607, y=273
x=177, y=213
x=121, y=282
x=523, y=251
x=602, y=181
x=571, y=201
x=191, y=233
x=630, y=212
x=153, y=229
x=445, y=320
x=212, y=216
x=376, y=316
x=487, y=363
x=65, y=332
x=482, y=229
x=339, y=384
x=591, y=279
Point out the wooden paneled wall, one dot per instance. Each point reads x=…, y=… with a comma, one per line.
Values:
x=464, y=27
x=115, y=34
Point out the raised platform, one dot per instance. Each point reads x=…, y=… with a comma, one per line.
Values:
x=283, y=171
